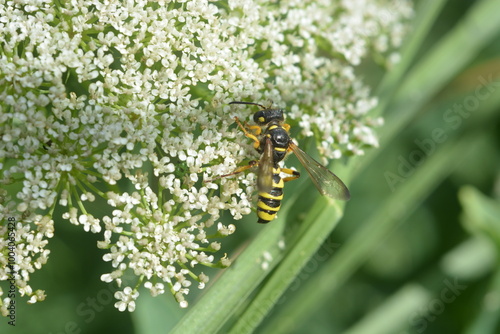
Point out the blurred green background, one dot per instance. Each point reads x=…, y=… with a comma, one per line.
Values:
x=416, y=250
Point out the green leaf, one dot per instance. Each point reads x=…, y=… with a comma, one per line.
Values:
x=463, y=262
x=392, y=316
x=481, y=214
x=488, y=317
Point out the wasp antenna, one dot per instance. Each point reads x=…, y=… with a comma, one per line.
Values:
x=250, y=103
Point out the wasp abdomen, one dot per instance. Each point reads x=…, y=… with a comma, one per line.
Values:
x=269, y=202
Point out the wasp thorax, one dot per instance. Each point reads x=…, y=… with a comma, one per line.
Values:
x=279, y=137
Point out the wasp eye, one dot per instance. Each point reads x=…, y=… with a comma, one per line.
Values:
x=260, y=118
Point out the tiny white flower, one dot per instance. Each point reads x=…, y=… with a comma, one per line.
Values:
x=126, y=299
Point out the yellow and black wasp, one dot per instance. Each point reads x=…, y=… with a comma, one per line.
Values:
x=274, y=143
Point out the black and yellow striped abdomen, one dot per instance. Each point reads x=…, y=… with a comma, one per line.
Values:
x=269, y=203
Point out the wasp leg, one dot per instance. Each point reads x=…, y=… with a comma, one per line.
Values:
x=236, y=171
x=257, y=129
x=293, y=174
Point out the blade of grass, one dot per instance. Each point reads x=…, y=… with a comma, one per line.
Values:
x=409, y=308
x=463, y=262
x=393, y=314
x=212, y=311
x=221, y=300
x=481, y=217
x=487, y=320
x=322, y=218
x=481, y=214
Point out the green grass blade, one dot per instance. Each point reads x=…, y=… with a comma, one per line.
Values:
x=488, y=317
x=393, y=315
x=481, y=214
x=321, y=219
x=221, y=300
x=462, y=263
x=409, y=309
x=482, y=218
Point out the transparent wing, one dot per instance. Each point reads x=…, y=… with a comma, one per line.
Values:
x=265, y=177
x=326, y=182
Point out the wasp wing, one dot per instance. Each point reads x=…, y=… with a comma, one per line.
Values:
x=265, y=177
x=326, y=182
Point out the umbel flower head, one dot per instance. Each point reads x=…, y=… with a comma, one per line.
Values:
x=124, y=104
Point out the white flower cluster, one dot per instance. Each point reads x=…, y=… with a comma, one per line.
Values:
x=23, y=252
x=93, y=92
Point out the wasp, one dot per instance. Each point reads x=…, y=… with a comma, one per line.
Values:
x=271, y=139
